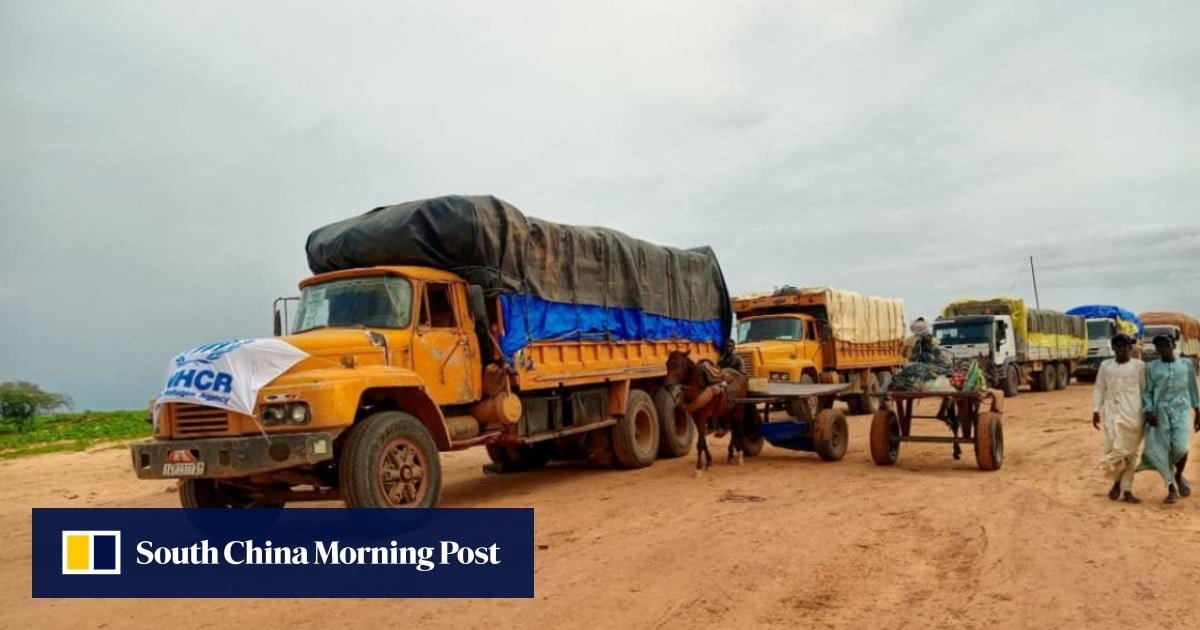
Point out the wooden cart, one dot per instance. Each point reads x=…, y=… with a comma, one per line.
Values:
x=826, y=433
x=979, y=415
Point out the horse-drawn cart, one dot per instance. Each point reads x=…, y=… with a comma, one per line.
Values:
x=826, y=433
x=979, y=415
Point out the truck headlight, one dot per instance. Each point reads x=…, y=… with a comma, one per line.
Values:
x=291, y=413
x=779, y=376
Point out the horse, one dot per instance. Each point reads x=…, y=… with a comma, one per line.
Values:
x=709, y=392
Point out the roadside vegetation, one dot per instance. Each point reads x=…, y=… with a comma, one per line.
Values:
x=70, y=431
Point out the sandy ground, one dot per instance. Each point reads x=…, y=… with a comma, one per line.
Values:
x=785, y=540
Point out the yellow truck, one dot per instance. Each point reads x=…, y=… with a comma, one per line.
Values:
x=822, y=335
x=439, y=325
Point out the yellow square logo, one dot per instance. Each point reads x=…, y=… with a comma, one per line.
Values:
x=91, y=552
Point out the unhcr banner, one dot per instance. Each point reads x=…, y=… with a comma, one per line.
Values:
x=338, y=552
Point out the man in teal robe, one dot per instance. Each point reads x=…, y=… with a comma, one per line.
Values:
x=1169, y=398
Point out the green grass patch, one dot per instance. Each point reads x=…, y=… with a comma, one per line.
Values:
x=72, y=432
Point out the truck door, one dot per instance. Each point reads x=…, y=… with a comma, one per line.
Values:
x=442, y=348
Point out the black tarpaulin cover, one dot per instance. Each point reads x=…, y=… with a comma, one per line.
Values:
x=491, y=243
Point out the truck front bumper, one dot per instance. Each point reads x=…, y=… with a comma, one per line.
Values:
x=1089, y=366
x=229, y=456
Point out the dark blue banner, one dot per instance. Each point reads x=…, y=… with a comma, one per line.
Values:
x=337, y=552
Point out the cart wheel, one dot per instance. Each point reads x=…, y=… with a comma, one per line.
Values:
x=989, y=441
x=885, y=437
x=830, y=434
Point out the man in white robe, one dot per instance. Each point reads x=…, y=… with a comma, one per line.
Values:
x=1118, y=394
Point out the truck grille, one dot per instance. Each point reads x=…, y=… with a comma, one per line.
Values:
x=750, y=358
x=199, y=419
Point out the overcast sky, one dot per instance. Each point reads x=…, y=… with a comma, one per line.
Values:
x=162, y=163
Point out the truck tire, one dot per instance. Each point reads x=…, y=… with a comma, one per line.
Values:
x=635, y=436
x=1044, y=381
x=830, y=434
x=885, y=437
x=519, y=457
x=1064, y=377
x=866, y=402
x=989, y=441
x=752, y=435
x=389, y=460
x=676, y=428
x=209, y=493
x=803, y=408
x=1012, y=381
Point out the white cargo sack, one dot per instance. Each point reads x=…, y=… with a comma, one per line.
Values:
x=227, y=374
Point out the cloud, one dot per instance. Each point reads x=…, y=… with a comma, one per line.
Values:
x=163, y=164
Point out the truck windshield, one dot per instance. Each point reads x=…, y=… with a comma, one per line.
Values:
x=1100, y=329
x=771, y=329
x=1154, y=331
x=961, y=334
x=377, y=301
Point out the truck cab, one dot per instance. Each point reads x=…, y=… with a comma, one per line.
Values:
x=391, y=353
x=785, y=347
x=1149, y=352
x=1100, y=331
x=990, y=339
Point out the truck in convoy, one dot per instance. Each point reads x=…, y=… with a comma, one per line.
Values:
x=1104, y=321
x=1184, y=329
x=439, y=325
x=822, y=335
x=1013, y=344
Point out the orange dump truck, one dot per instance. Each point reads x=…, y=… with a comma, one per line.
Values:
x=822, y=335
x=440, y=325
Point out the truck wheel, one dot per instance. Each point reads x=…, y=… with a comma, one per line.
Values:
x=803, y=408
x=1044, y=380
x=989, y=442
x=209, y=493
x=866, y=402
x=830, y=434
x=519, y=457
x=676, y=428
x=635, y=436
x=1064, y=377
x=885, y=437
x=390, y=460
x=1012, y=382
x=752, y=435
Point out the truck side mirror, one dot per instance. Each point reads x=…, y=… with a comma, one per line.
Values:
x=278, y=323
x=478, y=304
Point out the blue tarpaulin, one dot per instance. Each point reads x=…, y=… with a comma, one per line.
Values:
x=528, y=319
x=1108, y=310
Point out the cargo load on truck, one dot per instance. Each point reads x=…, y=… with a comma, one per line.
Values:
x=1014, y=343
x=555, y=282
x=822, y=334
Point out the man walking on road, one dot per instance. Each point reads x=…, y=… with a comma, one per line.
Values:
x=1170, y=394
x=1118, y=393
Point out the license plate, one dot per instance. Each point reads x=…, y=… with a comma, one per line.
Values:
x=183, y=469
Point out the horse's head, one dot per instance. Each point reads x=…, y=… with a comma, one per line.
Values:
x=679, y=366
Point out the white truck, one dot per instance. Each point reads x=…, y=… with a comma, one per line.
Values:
x=1013, y=344
x=1104, y=321
x=1184, y=329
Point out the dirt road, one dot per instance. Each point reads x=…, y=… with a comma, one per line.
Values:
x=784, y=540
